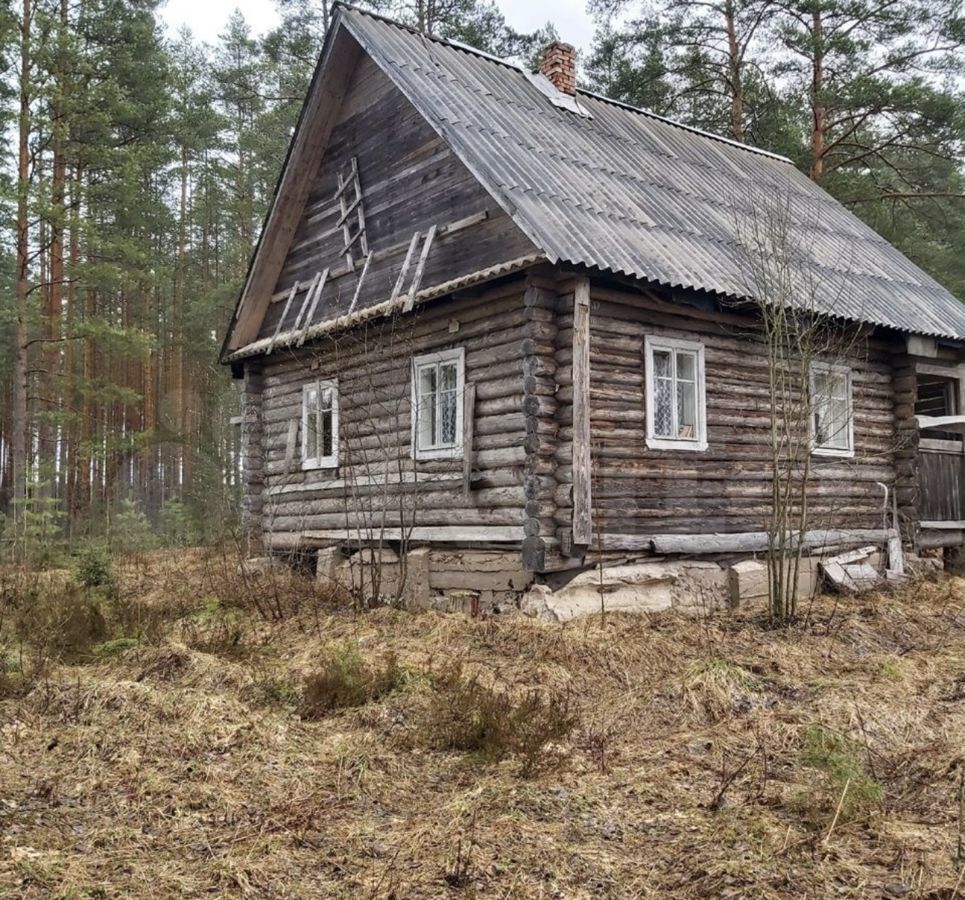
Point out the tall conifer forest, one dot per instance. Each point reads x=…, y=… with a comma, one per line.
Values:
x=138, y=165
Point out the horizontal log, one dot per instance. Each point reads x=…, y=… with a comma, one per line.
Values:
x=455, y=534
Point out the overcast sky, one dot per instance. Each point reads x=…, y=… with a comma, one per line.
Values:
x=207, y=17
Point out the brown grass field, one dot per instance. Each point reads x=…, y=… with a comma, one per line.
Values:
x=167, y=747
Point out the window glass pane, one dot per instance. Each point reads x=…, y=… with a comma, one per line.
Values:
x=687, y=410
x=447, y=377
x=838, y=424
x=838, y=385
x=326, y=398
x=310, y=446
x=448, y=417
x=662, y=364
x=663, y=408
x=326, y=433
x=821, y=387
x=426, y=403
x=427, y=380
x=822, y=427
x=686, y=366
x=830, y=410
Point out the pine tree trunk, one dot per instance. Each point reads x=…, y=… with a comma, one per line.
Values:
x=52, y=354
x=818, y=136
x=19, y=439
x=70, y=434
x=736, y=85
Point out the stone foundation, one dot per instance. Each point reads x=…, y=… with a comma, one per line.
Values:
x=487, y=582
x=476, y=582
x=692, y=586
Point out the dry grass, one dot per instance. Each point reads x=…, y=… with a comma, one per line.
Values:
x=709, y=758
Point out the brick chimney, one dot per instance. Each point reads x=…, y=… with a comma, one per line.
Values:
x=559, y=66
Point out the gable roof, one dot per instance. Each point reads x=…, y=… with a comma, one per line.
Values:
x=600, y=184
x=629, y=192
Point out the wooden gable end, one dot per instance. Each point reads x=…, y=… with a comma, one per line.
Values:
x=390, y=210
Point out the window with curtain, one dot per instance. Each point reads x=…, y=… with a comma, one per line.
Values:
x=320, y=425
x=676, y=414
x=438, y=382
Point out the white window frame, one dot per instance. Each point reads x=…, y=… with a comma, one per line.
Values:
x=439, y=451
x=320, y=462
x=830, y=368
x=653, y=343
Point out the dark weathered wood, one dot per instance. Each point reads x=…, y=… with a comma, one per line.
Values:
x=252, y=459
x=468, y=437
x=941, y=486
x=378, y=487
x=747, y=542
x=411, y=181
x=637, y=490
x=321, y=112
x=582, y=516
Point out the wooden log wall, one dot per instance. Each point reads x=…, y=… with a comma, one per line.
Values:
x=252, y=458
x=639, y=491
x=907, y=489
x=539, y=411
x=378, y=484
x=410, y=181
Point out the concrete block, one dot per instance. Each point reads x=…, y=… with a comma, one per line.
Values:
x=416, y=590
x=326, y=565
x=747, y=582
x=375, y=573
x=644, y=587
x=700, y=587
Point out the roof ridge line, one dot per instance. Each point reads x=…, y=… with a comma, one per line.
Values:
x=449, y=42
x=750, y=148
x=518, y=67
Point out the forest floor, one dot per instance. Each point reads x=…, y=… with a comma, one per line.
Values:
x=177, y=743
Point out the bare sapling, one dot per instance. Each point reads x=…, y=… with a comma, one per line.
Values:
x=791, y=299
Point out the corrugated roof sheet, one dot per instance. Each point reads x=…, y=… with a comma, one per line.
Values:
x=629, y=192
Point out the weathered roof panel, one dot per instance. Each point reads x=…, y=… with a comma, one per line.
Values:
x=629, y=192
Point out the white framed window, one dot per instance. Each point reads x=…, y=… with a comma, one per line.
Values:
x=320, y=425
x=676, y=396
x=832, y=413
x=438, y=383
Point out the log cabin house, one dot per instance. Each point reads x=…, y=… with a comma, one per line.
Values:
x=501, y=327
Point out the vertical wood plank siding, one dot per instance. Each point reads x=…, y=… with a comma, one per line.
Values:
x=410, y=181
x=637, y=490
x=941, y=487
x=378, y=483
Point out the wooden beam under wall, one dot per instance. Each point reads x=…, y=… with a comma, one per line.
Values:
x=738, y=542
x=582, y=516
